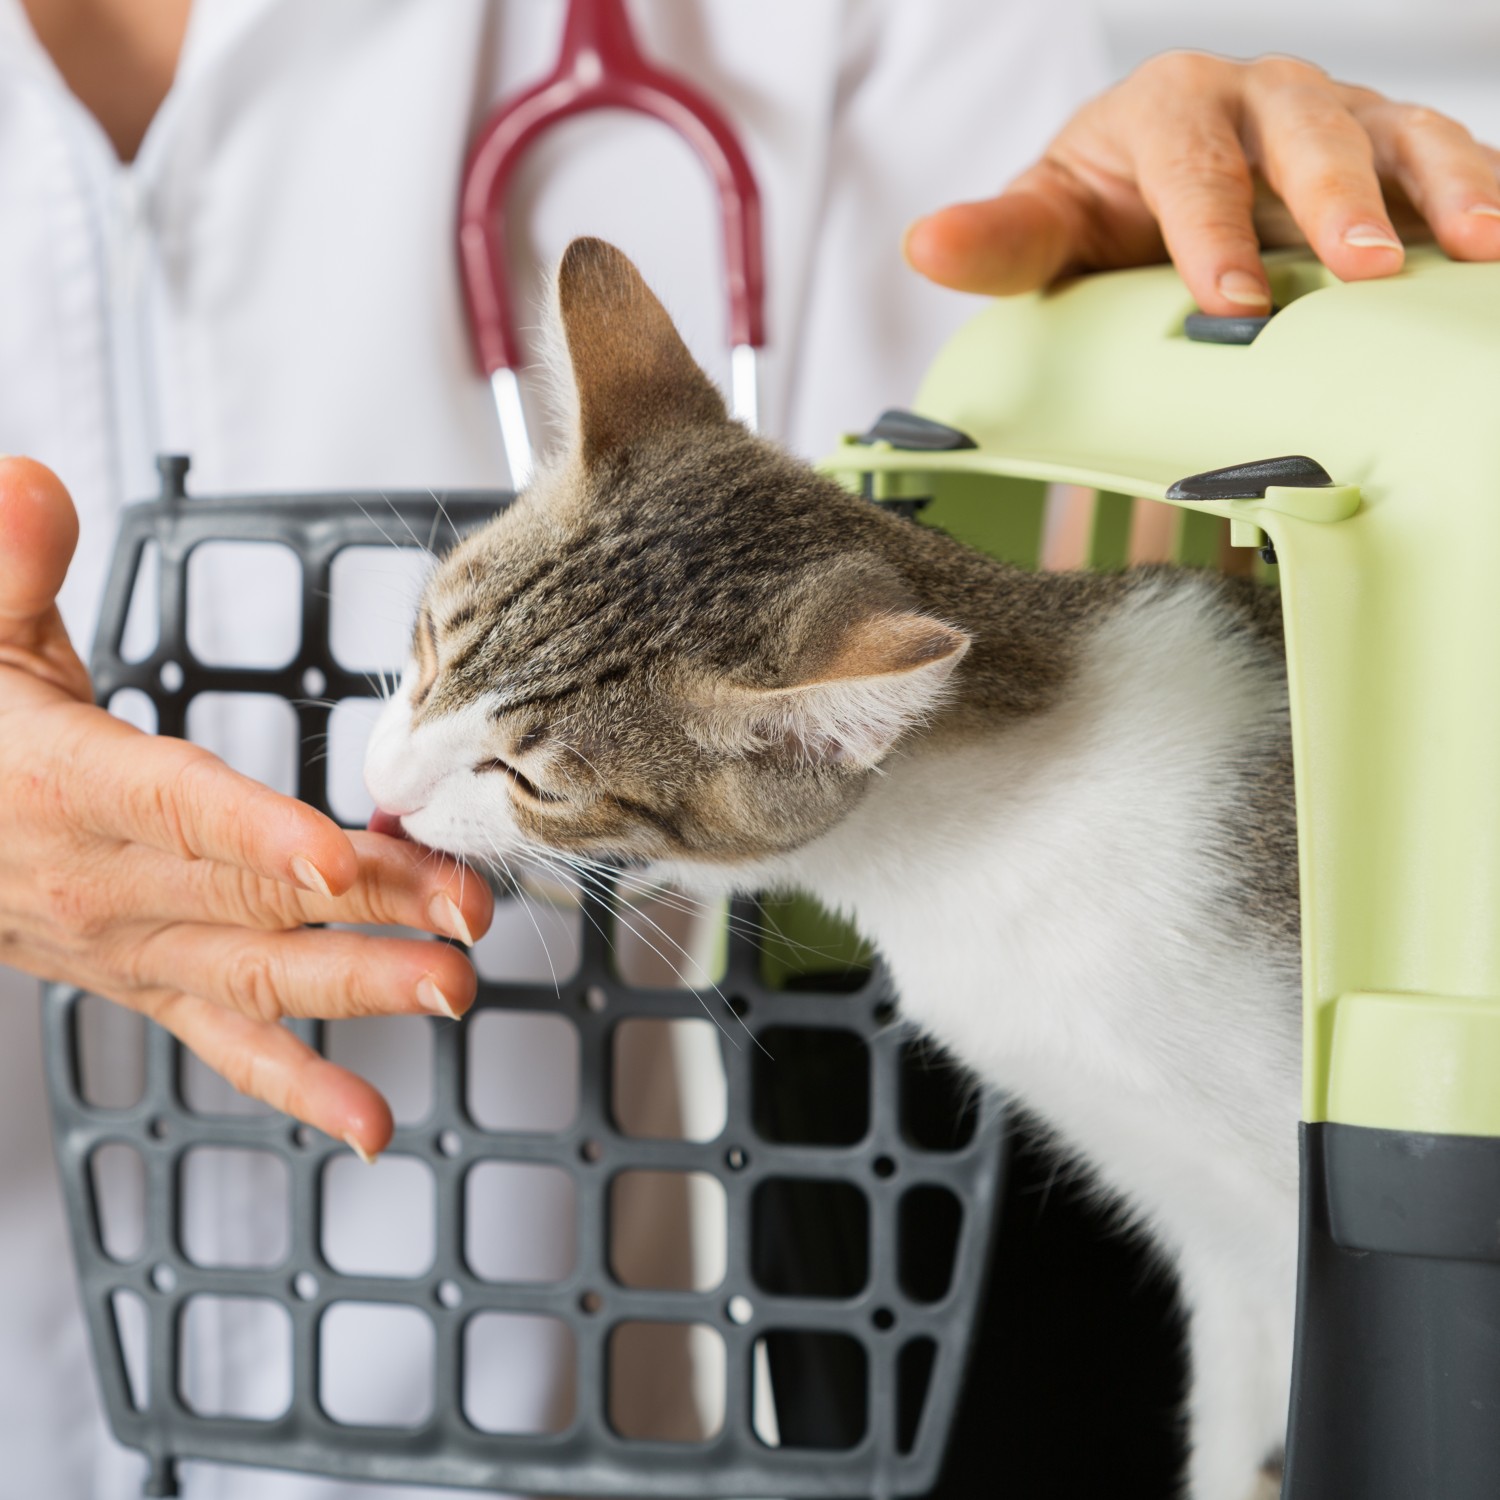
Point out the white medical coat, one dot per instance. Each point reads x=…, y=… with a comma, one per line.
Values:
x=271, y=288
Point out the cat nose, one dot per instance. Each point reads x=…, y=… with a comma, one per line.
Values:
x=389, y=823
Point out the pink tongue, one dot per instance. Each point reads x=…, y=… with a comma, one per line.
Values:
x=386, y=823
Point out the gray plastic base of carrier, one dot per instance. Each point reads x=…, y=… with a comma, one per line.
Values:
x=1396, y=1385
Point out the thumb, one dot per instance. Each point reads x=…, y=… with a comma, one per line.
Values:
x=38, y=532
x=1022, y=240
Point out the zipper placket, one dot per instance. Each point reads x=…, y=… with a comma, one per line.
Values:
x=135, y=378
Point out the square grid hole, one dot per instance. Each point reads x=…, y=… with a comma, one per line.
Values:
x=117, y=1175
x=522, y=1070
x=235, y=1357
x=375, y=1364
x=664, y=939
x=819, y=1382
x=244, y=604
x=668, y=1231
x=379, y=1220
x=374, y=596
x=667, y=1079
x=110, y=1049
x=520, y=1221
x=128, y=1311
x=235, y=1207
x=534, y=939
x=809, y=1237
x=666, y=1382
x=811, y=1086
x=503, y=1355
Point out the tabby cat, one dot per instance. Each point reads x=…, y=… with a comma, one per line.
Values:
x=1059, y=805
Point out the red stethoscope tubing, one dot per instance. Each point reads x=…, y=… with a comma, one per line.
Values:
x=599, y=66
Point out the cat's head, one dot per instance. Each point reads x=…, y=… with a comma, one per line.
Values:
x=679, y=644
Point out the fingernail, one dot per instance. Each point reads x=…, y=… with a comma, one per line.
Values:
x=1244, y=290
x=908, y=232
x=446, y=917
x=1371, y=237
x=309, y=876
x=1489, y=210
x=430, y=997
x=359, y=1150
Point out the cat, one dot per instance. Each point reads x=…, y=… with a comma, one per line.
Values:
x=1059, y=805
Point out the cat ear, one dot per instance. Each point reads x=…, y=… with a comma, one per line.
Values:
x=631, y=370
x=885, y=674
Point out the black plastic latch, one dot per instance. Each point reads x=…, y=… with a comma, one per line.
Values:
x=905, y=429
x=1205, y=328
x=173, y=468
x=1251, y=481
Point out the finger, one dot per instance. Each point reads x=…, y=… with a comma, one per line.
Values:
x=38, y=535
x=1022, y=240
x=1446, y=173
x=267, y=1062
x=398, y=885
x=1321, y=163
x=303, y=973
x=1194, y=176
x=176, y=797
x=405, y=885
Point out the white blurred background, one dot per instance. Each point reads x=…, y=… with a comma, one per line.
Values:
x=1445, y=53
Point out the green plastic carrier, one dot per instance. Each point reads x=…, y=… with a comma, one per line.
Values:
x=1387, y=569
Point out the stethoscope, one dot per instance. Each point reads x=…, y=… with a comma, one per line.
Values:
x=600, y=66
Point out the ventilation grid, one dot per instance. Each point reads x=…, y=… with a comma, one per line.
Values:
x=810, y=1338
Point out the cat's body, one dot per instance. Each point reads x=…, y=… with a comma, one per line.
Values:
x=1059, y=806
x=1061, y=904
x=1092, y=904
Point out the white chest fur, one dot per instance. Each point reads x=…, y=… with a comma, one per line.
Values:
x=1056, y=907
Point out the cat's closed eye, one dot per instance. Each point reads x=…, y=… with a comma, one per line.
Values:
x=521, y=783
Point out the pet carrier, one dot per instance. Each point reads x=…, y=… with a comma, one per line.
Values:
x=1348, y=438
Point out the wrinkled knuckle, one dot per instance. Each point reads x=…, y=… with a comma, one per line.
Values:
x=166, y=803
x=181, y=797
x=252, y=981
x=132, y=960
x=265, y=903
x=358, y=999
x=383, y=905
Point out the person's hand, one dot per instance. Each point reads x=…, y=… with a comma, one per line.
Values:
x=145, y=870
x=1193, y=154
